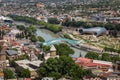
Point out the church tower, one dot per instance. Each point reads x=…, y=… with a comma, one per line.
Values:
x=52, y=50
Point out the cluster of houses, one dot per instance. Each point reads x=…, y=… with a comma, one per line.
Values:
x=103, y=69
x=14, y=49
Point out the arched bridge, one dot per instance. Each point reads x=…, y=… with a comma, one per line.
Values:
x=72, y=42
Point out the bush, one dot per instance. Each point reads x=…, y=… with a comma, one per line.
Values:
x=33, y=38
x=8, y=74
x=53, y=21
x=41, y=39
x=67, y=36
x=92, y=55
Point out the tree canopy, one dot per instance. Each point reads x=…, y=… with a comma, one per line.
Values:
x=53, y=27
x=67, y=36
x=92, y=55
x=60, y=67
x=106, y=57
x=25, y=73
x=111, y=49
x=108, y=26
x=53, y=20
x=41, y=39
x=103, y=56
x=21, y=72
x=8, y=74
x=20, y=27
x=46, y=48
x=64, y=49
x=33, y=38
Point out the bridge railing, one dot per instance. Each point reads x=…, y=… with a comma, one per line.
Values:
x=72, y=42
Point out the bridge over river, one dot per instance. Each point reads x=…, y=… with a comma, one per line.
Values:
x=71, y=42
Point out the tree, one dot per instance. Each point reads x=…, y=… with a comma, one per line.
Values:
x=53, y=21
x=74, y=23
x=49, y=68
x=46, y=48
x=25, y=73
x=115, y=58
x=32, y=28
x=24, y=56
x=92, y=55
x=8, y=74
x=20, y=27
x=21, y=72
x=18, y=70
x=41, y=56
x=33, y=38
x=60, y=67
x=76, y=72
x=67, y=36
x=55, y=75
x=12, y=63
x=53, y=27
x=24, y=18
x=64, y=49
x=111, y=49
x=88, y=73
x=66, y=63
x=41, y=39
x=105, y=57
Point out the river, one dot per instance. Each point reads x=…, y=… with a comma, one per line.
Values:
x=48, y=35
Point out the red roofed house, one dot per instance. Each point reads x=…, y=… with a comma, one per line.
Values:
x=93, y=64
x=14, y=43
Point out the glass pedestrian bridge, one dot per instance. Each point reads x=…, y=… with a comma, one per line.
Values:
x=58, y=40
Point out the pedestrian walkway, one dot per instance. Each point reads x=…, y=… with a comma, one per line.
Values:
x=72, y=42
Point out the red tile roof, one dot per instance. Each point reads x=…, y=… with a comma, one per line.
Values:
x=15, y=44
x=27, y=78
x=85, y=62
x=97, y=64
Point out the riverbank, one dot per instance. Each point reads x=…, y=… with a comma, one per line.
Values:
x=52, y=27
x=48, y=35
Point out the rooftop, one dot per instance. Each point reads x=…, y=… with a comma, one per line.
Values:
x=11, y=52
x=92, y=63
x=31, y=65
x=102, y=62
x=52, y=48
x=97, y=30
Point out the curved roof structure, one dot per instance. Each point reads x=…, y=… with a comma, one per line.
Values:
x=96, y=30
